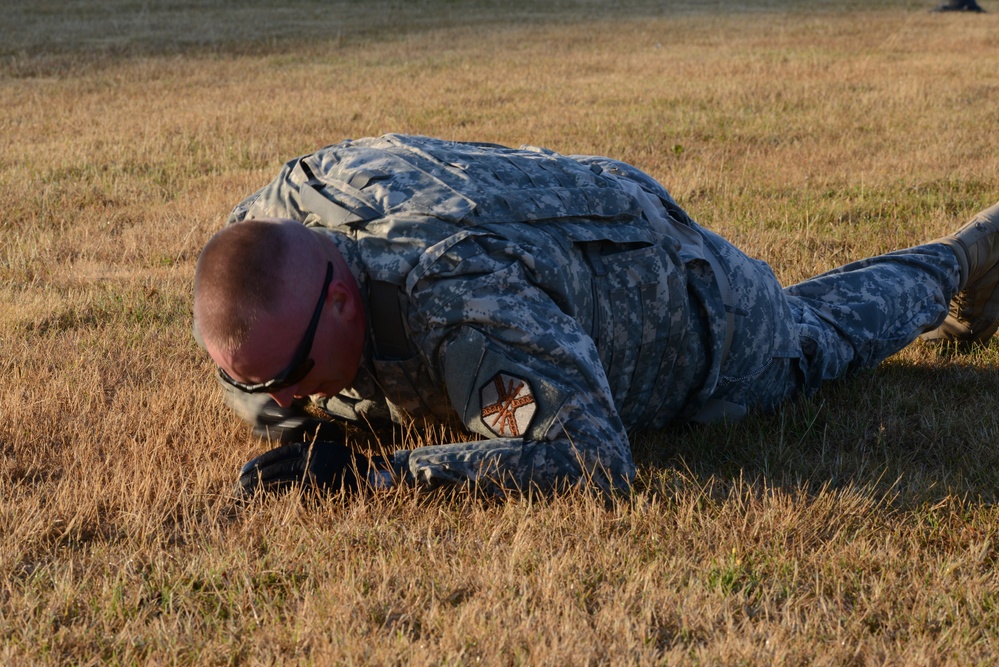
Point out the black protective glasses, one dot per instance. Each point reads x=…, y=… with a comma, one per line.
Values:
x=300, y=364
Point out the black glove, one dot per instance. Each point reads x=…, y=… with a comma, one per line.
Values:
x=326, y=466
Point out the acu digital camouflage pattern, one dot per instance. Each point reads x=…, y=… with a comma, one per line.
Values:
x=583, y=278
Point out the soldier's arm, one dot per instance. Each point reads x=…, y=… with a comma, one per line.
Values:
x=521, y=373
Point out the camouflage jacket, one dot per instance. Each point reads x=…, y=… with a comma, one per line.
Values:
x=544, y=301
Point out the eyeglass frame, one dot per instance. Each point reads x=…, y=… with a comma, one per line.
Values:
x=301, y=363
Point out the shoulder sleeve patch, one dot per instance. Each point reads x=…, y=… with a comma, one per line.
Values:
x=495, y=395
x=508, y=405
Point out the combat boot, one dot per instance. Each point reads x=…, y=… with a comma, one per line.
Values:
x=974, y=310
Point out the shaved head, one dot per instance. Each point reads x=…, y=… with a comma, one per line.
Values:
x=245, y=271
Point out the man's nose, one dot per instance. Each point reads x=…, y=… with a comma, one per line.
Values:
x=284, y=397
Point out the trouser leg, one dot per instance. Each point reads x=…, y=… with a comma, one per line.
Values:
x=857, y=315
x=790, y=340
x=760, y=367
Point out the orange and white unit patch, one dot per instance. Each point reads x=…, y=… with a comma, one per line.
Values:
x=508, y=405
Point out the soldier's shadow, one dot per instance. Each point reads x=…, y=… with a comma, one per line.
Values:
x=915, y=432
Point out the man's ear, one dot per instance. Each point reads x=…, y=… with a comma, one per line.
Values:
x=342, y=299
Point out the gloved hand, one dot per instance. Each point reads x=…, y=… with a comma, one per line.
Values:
x=272, y=422
x=327, y=466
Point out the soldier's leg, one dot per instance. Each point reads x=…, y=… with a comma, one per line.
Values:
x=791, y=340
x=786, y=340
x=759, y=365
x=857, y=315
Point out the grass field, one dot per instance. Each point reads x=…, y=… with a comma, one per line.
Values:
x=859, y=527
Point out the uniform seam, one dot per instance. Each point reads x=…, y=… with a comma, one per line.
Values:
x=725, y=380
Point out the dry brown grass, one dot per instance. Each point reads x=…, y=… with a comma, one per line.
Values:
x=858, y=528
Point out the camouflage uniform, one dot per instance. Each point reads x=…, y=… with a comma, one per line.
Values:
x=553, y=303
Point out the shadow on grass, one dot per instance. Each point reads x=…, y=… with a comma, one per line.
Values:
x=919, y=433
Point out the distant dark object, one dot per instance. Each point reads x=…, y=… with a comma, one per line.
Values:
x=959, y=6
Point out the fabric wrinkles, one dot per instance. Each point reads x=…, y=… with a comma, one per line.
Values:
x=580, y=274
x=494, y=240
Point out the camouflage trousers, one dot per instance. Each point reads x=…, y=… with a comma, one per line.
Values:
x=788, y=341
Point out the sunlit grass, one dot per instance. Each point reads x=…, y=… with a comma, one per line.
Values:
x=854, y=528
